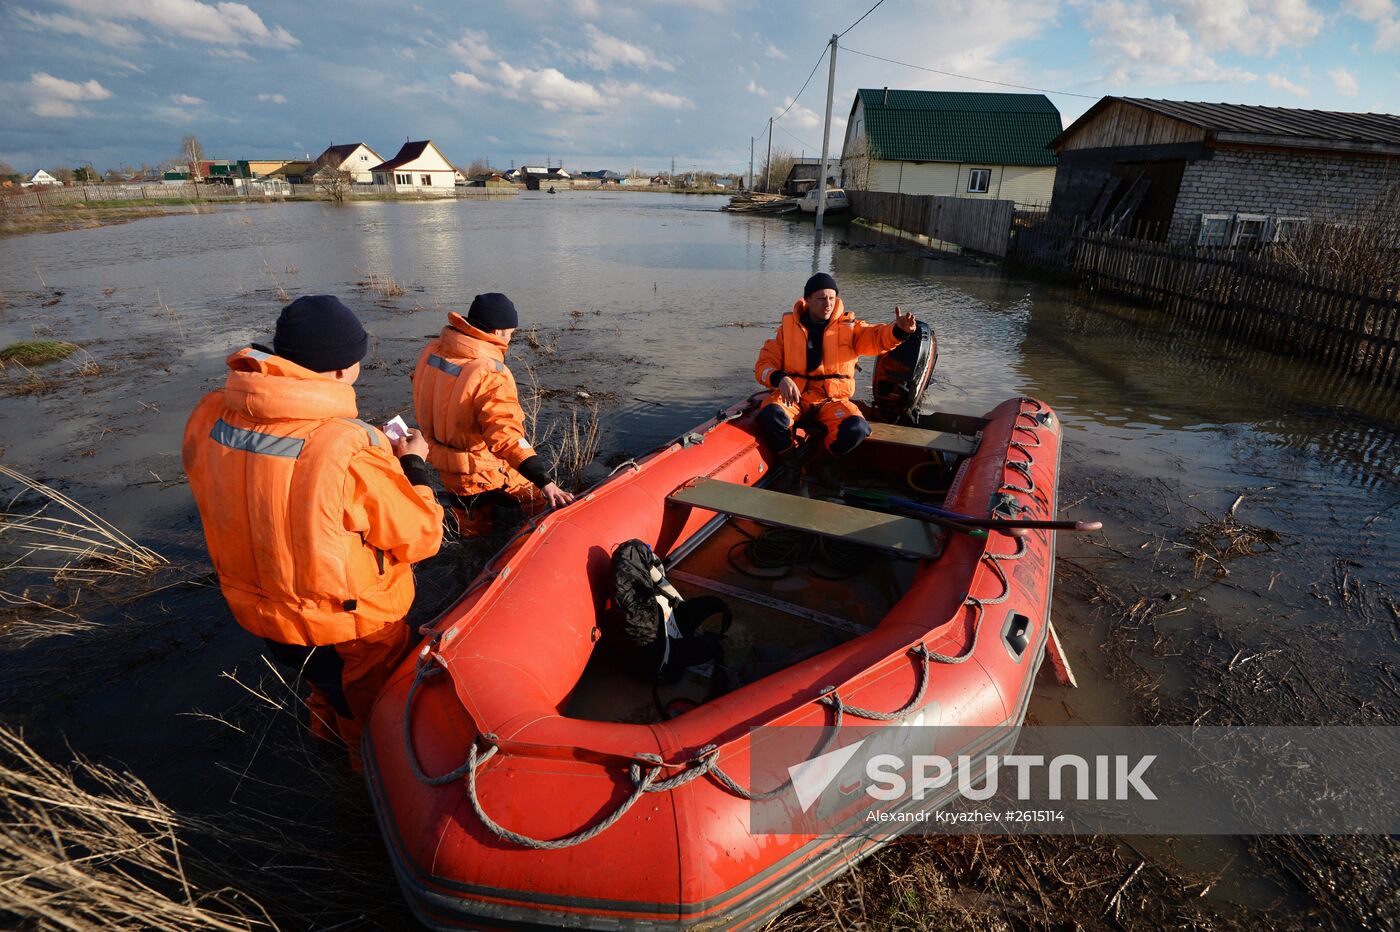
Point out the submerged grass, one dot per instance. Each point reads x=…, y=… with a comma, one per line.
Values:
x=36, y=352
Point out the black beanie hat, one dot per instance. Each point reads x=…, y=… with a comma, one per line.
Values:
x=320, y=333
x=492, y=311
x=819, y=282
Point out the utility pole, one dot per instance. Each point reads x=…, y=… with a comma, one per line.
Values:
x=750, y=163
x=826, y=139
x=768, y=165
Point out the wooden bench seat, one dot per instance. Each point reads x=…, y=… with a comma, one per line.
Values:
x=893, y=533
x=905, y=436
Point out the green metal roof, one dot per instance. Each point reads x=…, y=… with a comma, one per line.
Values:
x=958, y=126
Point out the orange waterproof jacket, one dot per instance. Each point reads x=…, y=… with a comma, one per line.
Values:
x=309, y=518
x=844, y=340
x=468, y=408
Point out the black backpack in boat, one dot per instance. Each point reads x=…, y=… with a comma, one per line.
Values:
x=651, y=629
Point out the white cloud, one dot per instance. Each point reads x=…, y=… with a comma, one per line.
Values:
x=1370, y=10
x=469, y=81
x=754, y=88
x=548, y=87
x=587, y=9
x=1344, y=81
x=1249, y=26
x=272, y=98
x=605, y=51
x=185, y=100
x=472, y=48
x=634, y=91
x=220, y=23
x=775, y=53
x=1279, y=82
x=99, y=30
x=54, y=97
x=1143, y=46
x=406, y=53
x=799, y=117
x=493, y=140
x=1388, y=35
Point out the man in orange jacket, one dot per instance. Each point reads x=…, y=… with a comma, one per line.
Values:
x=313, y=518
x=811, y=365
x=465, y=399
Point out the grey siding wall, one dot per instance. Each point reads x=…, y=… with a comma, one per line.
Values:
x=1277, y=185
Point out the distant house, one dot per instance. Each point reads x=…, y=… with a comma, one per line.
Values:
x=954, y=143
x=1221, y=174
x=603, y=175
x=635, y=181
x=804, y=175
x=293, y=172
x=419, y=168
x=354, y=157
x=536, y=178
x=253, y=169
x=489, y=180
x=42, y=177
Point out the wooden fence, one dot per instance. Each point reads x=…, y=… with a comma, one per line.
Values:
x=978, y=224
x=1335, y=320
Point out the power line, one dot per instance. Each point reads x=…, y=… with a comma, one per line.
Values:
x=820, y=59
x=803, y=141
x=862, y=16
x=967, y=77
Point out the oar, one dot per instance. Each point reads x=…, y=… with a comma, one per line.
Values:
x=914, y=509
x=996, y=524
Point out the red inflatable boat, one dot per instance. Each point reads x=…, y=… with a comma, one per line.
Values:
x=521, y=779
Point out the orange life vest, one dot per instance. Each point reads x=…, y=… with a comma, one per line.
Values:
x=468, y=408
x=843, y=342
x=269, y=462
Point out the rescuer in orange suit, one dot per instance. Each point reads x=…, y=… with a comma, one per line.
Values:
x=313, y=518
x=465, y=399
x=811, y=365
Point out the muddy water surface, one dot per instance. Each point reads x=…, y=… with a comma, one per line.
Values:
x=648, y=311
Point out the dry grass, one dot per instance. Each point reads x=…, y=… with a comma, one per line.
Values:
x=576, y=448
x=1219, y=540
x=82, y=545
x=36, y=352
x=25, y=381
x=86, y=847
x=381, y=285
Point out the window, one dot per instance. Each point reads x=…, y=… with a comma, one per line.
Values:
x=363, y=157
x=427, y=180
x=1250, y=229
x=403, y=179
x=1215, y=230
x=1285, y=228
x=979, y=180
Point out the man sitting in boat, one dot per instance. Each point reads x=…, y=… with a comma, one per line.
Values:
x=311, y=521
x=811, y=365
x=466, y=401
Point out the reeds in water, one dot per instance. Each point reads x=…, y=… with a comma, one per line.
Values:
x=81, y=545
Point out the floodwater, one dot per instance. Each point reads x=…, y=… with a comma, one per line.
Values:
x=654, y=306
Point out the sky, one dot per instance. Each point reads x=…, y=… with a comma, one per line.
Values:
x=624, y=84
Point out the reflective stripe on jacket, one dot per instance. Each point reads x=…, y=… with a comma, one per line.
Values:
x=843, y=342
x=310, y=521
x=468, y=408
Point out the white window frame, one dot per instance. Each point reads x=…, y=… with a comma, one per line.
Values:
x=1237, y=227
x=1225, y=231
x=403, y=178
x=1276, y=226
x=425, y=181
x=986, y=176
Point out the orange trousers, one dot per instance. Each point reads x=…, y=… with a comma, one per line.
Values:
x=345, y=680
x=830, y=413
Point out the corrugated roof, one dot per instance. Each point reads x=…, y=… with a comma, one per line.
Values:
x=407, y=153
x=1278, y=121
x=960, y=126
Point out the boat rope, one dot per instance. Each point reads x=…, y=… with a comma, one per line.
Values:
x=425, y=671
x=833, y=698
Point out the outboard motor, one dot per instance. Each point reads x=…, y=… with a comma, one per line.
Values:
x=902, y=374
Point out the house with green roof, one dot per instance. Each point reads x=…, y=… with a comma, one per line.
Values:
x=953, y=143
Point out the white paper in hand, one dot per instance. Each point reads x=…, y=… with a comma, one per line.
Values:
x=396, y=429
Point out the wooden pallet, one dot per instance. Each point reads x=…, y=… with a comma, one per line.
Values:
x=892, y=533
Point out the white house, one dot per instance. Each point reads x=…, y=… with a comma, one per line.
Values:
x=42, y=177
x=419, y=168
x=953, y=143
x=355, y=157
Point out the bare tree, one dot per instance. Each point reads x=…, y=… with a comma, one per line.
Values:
x=775, y=171
x=193, y=154
x=8, y=173
x=1362, y=244
x=857, y=164
x=334, y=182
x=476, y=168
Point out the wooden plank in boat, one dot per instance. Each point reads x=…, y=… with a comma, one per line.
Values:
x=907, y=536
x=905, y=436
